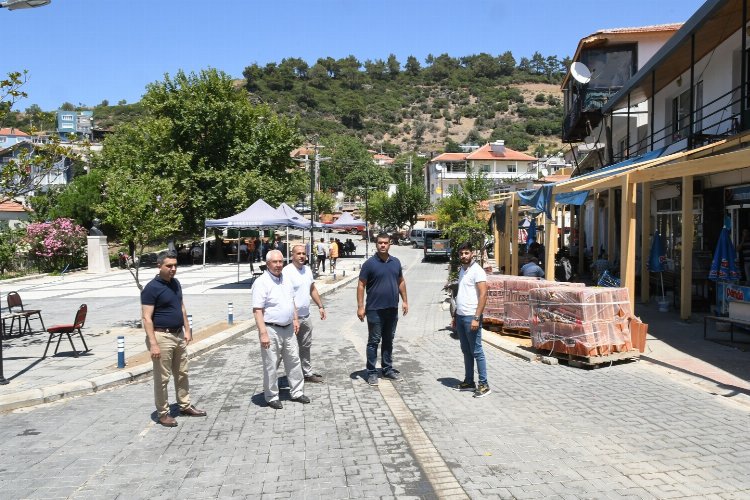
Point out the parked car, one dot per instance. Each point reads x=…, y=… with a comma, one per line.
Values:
x=436, y=248
x=302, y=208
x=417, y=236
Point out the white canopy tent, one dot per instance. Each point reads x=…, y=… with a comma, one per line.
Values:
x=258, y=215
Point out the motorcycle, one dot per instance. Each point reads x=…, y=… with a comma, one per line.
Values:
x=451, y=290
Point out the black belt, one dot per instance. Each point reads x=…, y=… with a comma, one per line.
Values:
x=278, y=325
x=177, y=329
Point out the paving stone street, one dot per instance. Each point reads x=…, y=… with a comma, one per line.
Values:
x=546, y=431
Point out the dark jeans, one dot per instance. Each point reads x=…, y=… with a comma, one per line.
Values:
x=321, y=260
x=381, y=324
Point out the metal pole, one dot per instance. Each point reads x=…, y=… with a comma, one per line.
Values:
x=3, y=380
x=367, y=227
x=313, y=168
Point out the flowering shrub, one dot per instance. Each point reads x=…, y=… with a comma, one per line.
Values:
x=53, y=245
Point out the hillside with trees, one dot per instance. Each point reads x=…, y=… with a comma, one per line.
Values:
x=426, y=106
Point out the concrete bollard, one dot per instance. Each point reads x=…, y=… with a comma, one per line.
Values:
x=230, y=313
x=121, y=351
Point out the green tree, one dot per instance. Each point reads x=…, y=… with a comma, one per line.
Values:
x=324, y=202
x=458, y=213
x=205, y=135
x=24, y=173
x=142, y=208
x=412, y=67
x=347, y=154
x=394, y=67
x=408, y=202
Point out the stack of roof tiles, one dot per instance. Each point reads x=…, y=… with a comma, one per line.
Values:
x=591, y=321
x=517, y=313
x=494, y=311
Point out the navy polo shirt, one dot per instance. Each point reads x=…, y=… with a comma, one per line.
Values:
x=381, y=282
x=166, y=297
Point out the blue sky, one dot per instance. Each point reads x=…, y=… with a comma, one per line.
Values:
x=85, y=51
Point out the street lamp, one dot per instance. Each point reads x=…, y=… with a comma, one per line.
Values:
x=23, y=4
x=440, y=169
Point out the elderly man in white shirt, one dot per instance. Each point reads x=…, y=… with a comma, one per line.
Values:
x=276, y=317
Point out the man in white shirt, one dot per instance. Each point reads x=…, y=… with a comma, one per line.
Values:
x=322, y=252
x=301, y=279
x=276, y=317
x=470, y=301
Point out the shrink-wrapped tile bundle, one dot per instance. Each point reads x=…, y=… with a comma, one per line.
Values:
x=517, y=313
x=590, y=321
x=494, y=311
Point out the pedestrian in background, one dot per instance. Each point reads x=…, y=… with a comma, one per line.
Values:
x=301, y=278
x=167, y=337
x=322, y=251
x=532, y=268
x=470, y=301
x=333, y=255
x=276, y=317
x=383, y=279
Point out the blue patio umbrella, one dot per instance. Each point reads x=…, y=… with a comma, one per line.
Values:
x=724, y=265
x=531, y=234
x=656, y=258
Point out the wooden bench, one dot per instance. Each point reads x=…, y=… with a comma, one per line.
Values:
x=724, y=319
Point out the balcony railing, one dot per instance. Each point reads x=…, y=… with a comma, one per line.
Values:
x=717, y=119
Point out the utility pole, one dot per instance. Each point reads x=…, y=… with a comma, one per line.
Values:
x=313, y=175
x=408, y=171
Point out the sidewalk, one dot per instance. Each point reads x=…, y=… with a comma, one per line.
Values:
x=113, y=311
x=679, y=348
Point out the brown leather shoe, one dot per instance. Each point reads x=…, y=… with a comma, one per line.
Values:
x=167, y=421
x=192, y=411
x=314, y=379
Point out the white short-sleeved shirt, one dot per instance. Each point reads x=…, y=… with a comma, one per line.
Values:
x=321, y=249
x=275, y=296
x=301, y=281
x=467, y=298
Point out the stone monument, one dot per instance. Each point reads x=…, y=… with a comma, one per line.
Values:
x=98, y=250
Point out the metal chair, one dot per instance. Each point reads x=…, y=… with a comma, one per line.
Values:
x=17, y=311
x=61, y=330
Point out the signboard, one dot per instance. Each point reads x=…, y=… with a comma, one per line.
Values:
x=728, y=292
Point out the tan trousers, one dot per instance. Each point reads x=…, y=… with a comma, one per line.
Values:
x=173, y=362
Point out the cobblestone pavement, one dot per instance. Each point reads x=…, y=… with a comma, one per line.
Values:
x=544, y=432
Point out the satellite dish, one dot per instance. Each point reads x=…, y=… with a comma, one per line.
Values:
x=580, y=72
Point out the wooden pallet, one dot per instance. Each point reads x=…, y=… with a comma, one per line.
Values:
x=517, y=332
x=591, y=361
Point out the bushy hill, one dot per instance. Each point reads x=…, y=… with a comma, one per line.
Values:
x=398, y=107
x=449, y=100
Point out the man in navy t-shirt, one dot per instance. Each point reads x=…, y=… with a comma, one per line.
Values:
x=382, y=278
x=167, y=336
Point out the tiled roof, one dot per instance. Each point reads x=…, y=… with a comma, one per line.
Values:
x=11, y=206
x=643, y=29
x=12, y=131
x=485, y=153
x=450, y=157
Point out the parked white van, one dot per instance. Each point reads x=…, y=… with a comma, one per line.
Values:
x=416, y=236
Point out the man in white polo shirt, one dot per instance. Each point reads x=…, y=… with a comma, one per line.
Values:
x=276, y=317
x=301, y=279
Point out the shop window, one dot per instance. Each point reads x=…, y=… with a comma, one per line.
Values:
x=669, y=225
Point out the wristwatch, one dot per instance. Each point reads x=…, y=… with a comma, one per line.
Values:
x=476, y=318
